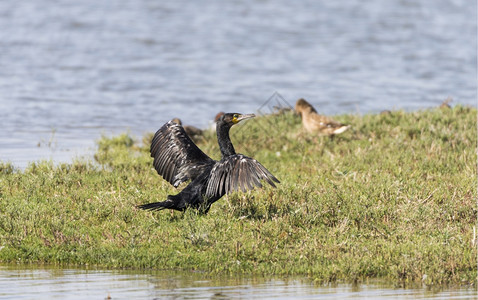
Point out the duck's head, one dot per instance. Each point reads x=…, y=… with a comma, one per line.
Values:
x=302, y=106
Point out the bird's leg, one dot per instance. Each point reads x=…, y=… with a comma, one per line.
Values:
x=204, y=207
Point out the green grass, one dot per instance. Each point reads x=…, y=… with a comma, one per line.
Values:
x=393, y=198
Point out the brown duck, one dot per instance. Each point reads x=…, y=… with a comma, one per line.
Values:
x=315, y=123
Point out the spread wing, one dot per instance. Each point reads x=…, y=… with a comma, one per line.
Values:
x=237, y=172
x=176, y=157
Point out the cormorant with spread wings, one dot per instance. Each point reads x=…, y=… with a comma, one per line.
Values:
x=177, y=159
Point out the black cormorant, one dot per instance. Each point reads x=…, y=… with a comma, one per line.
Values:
x=177, y=159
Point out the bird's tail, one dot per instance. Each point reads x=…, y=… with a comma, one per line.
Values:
x=152, y=206
x=341, y=129
x=169, y=203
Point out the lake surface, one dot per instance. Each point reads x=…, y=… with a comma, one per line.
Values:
x=51, y=283
x=73, y=70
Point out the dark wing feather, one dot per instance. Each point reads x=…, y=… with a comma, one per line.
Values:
x=176, y=157
x=237, y=172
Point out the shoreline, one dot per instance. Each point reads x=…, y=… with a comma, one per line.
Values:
x=67, y=154
x=394, y=198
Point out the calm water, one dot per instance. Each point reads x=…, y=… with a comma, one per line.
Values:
x=72, y=70
x=49, y=283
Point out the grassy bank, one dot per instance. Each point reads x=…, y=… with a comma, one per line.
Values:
x=394, y=197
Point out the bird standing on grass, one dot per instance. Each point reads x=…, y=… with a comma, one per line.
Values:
x=177, y=159
x=315, y=123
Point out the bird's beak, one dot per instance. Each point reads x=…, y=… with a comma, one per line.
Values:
x=244, y=117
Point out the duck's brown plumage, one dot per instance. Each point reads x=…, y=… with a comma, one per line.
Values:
x=315, y=123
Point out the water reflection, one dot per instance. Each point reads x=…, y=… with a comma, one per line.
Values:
x=48, y=283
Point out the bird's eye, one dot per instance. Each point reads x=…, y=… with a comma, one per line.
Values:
x=235, y=118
